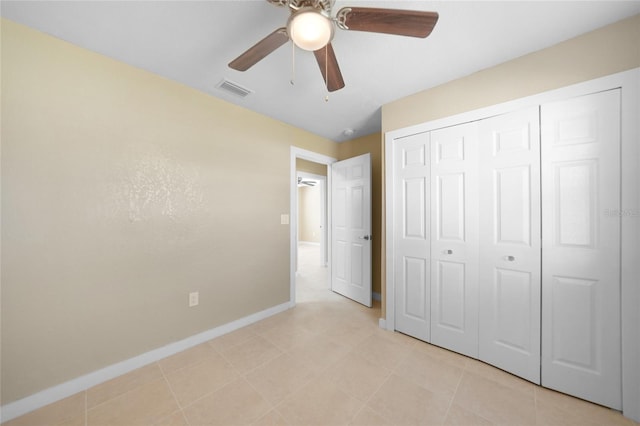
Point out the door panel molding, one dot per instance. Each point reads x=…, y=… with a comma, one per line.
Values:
x=581, y=346
x=509, y=269
x=351, y=233
x=454, y=238
x=412, y=312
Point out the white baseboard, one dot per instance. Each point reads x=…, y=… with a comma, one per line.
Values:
x=382, y=323
x=308, y=243
x=79, y=384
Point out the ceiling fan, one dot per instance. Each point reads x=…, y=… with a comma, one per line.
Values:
x=311, y=27
x=306, y=182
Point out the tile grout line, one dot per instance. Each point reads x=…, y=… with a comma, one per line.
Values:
x=184, y=417
x=243, y=375
x=119, y=394
x=175, y=398
x=390, y=372
x=201, y=397
x=231, y=346
x=163, y=375
x=455, y=392
x=494, y=382
x=313, y=376
x=310, y=378
x=366, y=402
x=205, y=395
x=271, y=406
x=281, y=348
x=187, y=365
x=240, y=373
x=535, y=403
x=462, y=369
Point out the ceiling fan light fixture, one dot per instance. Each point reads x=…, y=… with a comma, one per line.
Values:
x=309, y=29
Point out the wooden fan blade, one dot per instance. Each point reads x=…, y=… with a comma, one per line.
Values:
x=328, y=63
x=260, y=50
x=412, y=23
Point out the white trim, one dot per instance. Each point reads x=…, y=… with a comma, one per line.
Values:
x=56, y=393
x=293, y=211
x=630, y=245
x=382, y=323
x=390, y=294
x=630, y=191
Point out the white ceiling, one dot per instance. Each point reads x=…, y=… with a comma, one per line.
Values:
x=193, y=41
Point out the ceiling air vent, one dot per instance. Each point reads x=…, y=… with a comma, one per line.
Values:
x=233, y=88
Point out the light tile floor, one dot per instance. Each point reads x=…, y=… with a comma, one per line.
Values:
x=325, y=362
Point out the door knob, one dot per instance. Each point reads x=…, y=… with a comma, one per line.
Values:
x=448, y=251
x=367, y=237
x=510, y=258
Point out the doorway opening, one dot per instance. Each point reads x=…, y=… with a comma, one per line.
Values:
x=312, y=210
x=312, y=279
x=310, y=226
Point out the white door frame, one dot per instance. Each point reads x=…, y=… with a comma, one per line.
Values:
x=323, y=211
x=629, y=81
x=293, y=212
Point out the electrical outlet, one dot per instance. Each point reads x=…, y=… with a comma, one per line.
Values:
x=284, y=219
x=194, y=299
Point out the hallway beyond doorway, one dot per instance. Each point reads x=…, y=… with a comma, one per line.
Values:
x=312, y=279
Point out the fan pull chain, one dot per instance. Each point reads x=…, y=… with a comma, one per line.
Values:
x=293, y=63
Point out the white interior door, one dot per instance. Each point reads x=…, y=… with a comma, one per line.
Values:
x=351, y=228
x=509, y=272
x=454, y=238
x=412, y=235
x=581, y=247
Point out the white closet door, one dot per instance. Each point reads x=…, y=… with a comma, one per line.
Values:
x=509, y=272
x=454, y=238
x=411, y=235
x=581, y=247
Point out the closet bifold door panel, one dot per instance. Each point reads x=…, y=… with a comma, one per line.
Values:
x=411, y=230
x=581, y=247
x=509, y=271
x=454, y=238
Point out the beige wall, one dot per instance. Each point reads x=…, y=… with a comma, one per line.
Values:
x=311, y=167
x=608, y=50
x=120, y=195
x=309, y=214
x=309, y=207
x=370, y=144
